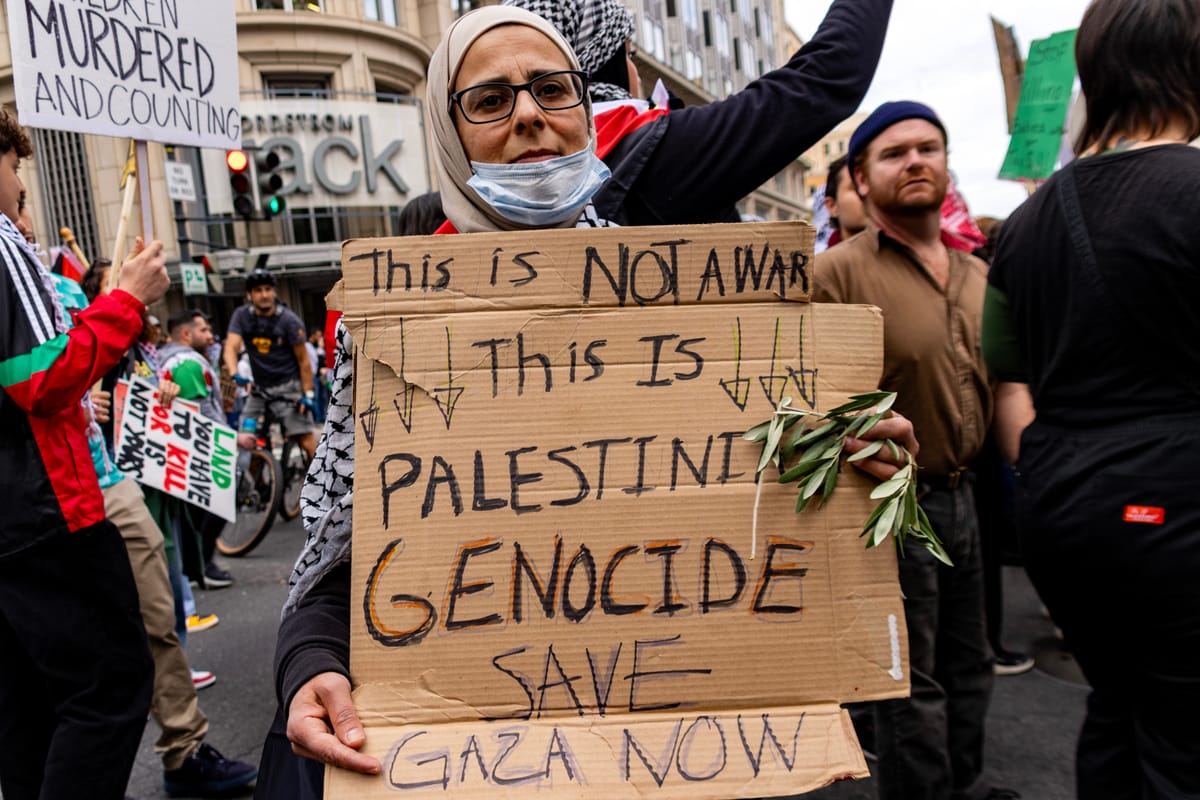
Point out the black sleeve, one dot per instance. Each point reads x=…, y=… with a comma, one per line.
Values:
x=713, y=155
x=315, y=638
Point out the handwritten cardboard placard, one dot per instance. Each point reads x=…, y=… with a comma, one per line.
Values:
x=176, y=450
x=154, y=70
x=557, y=587
x=1041, y=114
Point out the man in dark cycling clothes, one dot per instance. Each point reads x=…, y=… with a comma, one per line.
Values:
x=274, y=340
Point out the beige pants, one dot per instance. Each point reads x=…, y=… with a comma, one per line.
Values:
x=173, y=705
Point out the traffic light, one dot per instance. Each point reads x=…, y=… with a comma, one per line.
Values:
x=269, y=184
x=239, y=182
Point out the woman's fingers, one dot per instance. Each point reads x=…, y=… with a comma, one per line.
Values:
x=324, y=726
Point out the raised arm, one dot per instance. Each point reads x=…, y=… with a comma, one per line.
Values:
x=713, y=155
x=44, y=371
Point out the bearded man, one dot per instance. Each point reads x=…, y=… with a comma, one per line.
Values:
x=931, y=743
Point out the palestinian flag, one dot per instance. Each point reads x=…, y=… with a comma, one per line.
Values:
x=67, y=264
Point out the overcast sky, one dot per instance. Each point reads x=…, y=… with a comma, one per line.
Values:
x=942, y=52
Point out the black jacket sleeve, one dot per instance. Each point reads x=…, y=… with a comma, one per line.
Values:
x=713, y=155
x=315, y=638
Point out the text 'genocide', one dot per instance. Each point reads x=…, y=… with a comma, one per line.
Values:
x=584, y=584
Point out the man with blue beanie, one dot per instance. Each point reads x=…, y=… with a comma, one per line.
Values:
x=930, y=745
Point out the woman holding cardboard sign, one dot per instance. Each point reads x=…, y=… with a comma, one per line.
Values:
x=514, y=143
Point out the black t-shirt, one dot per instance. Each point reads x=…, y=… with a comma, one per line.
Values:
x=1125, y=344
x=270, y=343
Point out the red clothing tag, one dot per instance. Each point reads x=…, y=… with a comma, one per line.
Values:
x=1150, y=514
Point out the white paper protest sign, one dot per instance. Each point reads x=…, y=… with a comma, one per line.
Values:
x=177, y=450
x=154, y=70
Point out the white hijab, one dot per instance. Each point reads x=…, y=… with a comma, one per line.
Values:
x=462, y=206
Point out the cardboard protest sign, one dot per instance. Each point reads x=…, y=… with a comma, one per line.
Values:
x=557, y=585
x=157, y=70
x=178, y=450
x=1041, y=114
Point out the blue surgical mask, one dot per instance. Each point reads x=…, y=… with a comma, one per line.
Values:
x=540, y=193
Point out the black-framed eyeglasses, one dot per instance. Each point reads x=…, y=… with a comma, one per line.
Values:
x=492, y=102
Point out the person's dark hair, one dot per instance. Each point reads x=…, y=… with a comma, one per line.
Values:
x=181, y=318
x=989, y=227
x=421, y=216
x=1139, y=67
x=90, y=282
x=13, y=137
x=834, y=178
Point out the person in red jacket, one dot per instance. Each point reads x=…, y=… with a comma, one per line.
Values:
x=75, y=670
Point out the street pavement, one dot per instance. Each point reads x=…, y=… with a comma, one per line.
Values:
x=1032, y=724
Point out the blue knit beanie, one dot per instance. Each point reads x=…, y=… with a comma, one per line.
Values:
x=885, y=117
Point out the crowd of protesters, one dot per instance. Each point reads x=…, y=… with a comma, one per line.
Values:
x=1046, y=367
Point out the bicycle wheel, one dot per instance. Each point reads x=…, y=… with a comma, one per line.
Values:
x=294, y=463
x=259, y=486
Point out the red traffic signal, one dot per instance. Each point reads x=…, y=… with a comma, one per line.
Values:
x=239, y=182
x=237, y=160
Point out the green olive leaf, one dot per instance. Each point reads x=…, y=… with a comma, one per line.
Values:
x=800, y=470
x=883, y=526
x=758, y=433
x=819, y=444
x=866, y=452
x=816, y=433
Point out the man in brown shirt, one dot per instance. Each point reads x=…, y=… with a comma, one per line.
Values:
x=930, y=744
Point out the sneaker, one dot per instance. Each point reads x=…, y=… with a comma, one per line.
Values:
x=207, y=773
x=197, y=623
x=202, y=678
x=1010, y=663
x=215, y=577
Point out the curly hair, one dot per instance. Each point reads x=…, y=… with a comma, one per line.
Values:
x=13, y=137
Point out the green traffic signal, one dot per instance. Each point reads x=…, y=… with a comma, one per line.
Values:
x=273, y=205
x=270, y=182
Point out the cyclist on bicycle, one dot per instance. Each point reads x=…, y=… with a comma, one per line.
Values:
x=275, y=343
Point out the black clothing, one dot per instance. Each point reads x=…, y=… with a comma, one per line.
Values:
x=930, y=744
x=76, y=668
x=315, y=638
x=691, y=165
x=270, y=343
x=1123, y=592
x=1109, y=512
x=282, y=773
x=1122, y=344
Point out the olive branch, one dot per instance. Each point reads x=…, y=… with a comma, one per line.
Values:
x=806, y=447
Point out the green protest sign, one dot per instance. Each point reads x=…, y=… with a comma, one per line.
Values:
x=1042, y=108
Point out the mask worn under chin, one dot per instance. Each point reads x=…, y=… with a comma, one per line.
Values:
x=541, y=193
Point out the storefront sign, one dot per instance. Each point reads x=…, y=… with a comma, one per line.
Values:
x=332, y=153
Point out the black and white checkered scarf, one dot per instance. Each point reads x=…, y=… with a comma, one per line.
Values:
x=596, y=31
